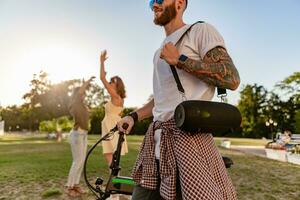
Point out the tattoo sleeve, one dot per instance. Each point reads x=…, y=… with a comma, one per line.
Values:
x=216, y=69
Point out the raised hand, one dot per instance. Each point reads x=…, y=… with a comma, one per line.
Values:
x=103, y=56
x=87, y=84
x=91, y=79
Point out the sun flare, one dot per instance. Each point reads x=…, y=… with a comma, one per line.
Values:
x=60, y=62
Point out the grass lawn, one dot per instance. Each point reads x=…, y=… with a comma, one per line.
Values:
x=36, y=168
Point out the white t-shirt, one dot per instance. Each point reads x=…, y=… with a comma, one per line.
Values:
x=196, y=43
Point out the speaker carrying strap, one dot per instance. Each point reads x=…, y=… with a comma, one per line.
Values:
x=221, y=91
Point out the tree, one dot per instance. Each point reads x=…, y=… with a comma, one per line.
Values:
x=39, y=85
x=291, y=85
x=251, y=105
x=95, y=96
x=297, y=120
x=281, y=112
x=291, y=88
x=55, y=101
x=46, y=101
x=258, y=106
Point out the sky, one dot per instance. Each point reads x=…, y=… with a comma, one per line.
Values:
x=65, y=37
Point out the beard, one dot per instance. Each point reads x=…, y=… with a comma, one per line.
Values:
x=168, y=14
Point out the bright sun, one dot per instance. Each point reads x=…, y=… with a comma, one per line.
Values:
x=60, y=62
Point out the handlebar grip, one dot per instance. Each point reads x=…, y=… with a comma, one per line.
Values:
x=125, y=126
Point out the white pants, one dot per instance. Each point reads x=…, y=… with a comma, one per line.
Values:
x=78, y=143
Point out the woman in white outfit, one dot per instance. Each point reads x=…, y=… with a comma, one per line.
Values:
x=113, y=110
x=78, y=138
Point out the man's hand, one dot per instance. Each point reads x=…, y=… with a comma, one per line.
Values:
x=170, y=54
x=125, y=120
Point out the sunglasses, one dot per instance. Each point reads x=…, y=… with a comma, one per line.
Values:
x=151, y=3
x=112, y=81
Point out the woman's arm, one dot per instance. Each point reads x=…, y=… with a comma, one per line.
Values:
x=112, y=92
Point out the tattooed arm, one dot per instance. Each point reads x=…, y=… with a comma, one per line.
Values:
x=216, y=69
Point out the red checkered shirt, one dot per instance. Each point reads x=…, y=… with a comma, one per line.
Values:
x=202, y=172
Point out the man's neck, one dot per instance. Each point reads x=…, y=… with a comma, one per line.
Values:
x=173, y=26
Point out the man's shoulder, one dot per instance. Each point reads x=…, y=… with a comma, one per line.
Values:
x=202, y=26
x=204, y=30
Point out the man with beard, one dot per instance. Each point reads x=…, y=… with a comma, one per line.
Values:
x=173, y=164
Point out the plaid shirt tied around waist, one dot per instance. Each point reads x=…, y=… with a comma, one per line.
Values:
x=201, y=168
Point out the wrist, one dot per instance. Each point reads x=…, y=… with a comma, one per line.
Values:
x=181, y=61
x=175, y=61
x=134, y=116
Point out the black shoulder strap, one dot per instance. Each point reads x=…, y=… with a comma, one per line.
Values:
x=221, y=91
x=173, y=69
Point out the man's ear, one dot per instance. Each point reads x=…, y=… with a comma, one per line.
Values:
x=180, y=4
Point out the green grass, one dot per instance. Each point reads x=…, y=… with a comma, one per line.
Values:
x=51, y=192
x=36, y=168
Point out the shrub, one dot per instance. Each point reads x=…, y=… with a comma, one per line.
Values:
x=47, y=126
x=61, y=124
x=97, y=115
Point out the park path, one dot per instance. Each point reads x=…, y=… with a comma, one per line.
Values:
x=254, y=150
